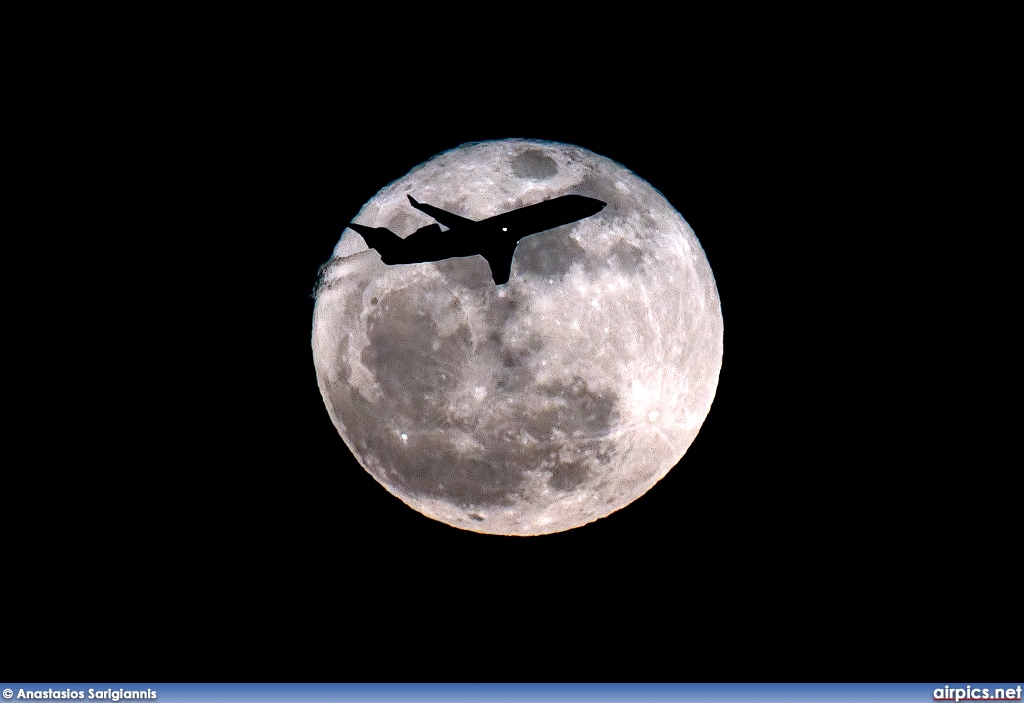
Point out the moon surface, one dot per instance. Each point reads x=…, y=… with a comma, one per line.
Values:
x=542, y=404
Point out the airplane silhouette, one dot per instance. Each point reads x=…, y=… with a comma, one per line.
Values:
x=495, y=238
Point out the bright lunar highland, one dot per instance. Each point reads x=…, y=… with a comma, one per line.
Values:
x=541, y=404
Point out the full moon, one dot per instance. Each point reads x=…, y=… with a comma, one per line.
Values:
x=541, y=404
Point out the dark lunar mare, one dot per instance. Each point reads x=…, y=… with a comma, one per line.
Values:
x=534, y=165
x=419, y=382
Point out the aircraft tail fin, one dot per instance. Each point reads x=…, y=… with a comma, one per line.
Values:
x=448, y=219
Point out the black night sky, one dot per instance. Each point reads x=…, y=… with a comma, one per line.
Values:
x=797, y=523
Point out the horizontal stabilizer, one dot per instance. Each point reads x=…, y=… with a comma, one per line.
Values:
x=387, y=243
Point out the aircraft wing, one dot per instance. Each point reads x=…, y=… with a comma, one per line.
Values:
x=448, y=219
x=501, y=268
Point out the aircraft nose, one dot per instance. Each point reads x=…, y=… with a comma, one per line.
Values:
x=590, y=206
